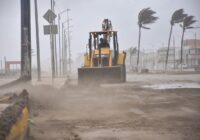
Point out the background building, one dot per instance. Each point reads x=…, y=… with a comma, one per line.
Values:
x=155, y=60
x=191, y=55
x=161, y=58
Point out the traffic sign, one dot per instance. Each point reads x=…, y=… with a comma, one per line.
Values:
x=50, y=29
x=49, y=16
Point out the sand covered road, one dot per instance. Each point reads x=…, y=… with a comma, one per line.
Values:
x=117, y=112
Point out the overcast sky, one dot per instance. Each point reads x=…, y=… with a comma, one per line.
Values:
x=87, y=15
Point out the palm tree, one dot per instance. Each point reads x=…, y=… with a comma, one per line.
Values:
x=145, y=16
x=187, y=22
x=177, y=17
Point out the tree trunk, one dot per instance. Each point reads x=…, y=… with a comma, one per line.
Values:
x=138, y=56
x=182, y=48
x=167, y=55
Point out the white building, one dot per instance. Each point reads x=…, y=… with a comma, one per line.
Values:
x=161, y=57
x=191, y=54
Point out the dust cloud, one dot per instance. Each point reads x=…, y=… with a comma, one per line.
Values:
x=114, y=111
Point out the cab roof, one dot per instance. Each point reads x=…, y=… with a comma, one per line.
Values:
x=102, y=32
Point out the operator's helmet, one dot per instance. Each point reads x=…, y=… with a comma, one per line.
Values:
x=101, y=39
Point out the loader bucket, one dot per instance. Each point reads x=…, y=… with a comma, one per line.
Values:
x=98, y=75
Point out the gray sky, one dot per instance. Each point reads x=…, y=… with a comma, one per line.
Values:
x=87, y=15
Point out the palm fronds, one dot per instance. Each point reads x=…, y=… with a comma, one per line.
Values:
x=188, y=21
x=178, y=16
x=146, y=16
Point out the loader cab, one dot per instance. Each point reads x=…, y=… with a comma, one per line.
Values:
x=103, y=48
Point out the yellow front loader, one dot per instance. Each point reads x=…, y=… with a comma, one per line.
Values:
x=103, y=63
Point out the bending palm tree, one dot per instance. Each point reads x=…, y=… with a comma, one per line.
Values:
x=145, y=16
x=187, y=22
x=177, y=17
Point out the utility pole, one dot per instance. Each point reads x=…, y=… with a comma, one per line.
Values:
x=25, y=40
x=59, y=36
x=60, y=52
x=54, y=41
x=64, y=54
x=63, y=44
x=52, y=47
x=54, y=55
x=68, y=32
x=37, y=42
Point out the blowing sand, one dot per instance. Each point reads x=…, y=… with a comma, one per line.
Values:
x=116, y=112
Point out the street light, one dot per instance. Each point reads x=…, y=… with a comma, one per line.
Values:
x=60, y=52
x=69, y=44
x=68, y=37
x=69, y=50
x=64, y=52
x=64, y=44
